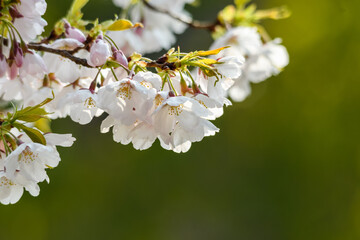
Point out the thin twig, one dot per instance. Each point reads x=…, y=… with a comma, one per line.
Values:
x=63, y=53
x=191, y=23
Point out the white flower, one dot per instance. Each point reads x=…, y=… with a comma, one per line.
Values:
x=63, y=140
x=31, y=160
x=127, y=100
x=36, y=97
x=242, y=41
x=60, y=108
x=33, y=65
x=141, y=134
x=31, y=24
x=271, y=59
x=15, y=89
x=10, y=192
x=240, y=90
x=11, y=189
x=262, y=60
x=181, y=121
x=210, y=104
x=149, y=80
x=64, y=69
x=25, y=166
x=230, y=66
x=82, y=105
x=120, y=131
x=216, y=87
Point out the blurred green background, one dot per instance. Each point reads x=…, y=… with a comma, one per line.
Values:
x=285, y=165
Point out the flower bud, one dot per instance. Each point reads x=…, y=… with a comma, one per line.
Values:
x=99, y=52
x=18, y=55
x=120, y=57
x=13, y=71
x=171, y=94
x=74, y=33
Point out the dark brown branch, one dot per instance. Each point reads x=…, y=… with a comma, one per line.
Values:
x=191, y=23
x=63, y=53
x=162, y=66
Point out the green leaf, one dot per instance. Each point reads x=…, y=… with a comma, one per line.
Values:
x=227, y=15
x=210, y=52
x=31, y=114
x=31, y=117
x=43, y=125
x=122, y=24
x=35, y=135
x=76, y=6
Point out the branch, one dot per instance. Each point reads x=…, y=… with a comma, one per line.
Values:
x=191, y=23
x=162, y=66
x=63, y=53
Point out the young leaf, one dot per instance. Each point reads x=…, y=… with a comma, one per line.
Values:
x=210, y=52
x=32, y=114
x=35, y=135
x=76, y=6
x=122, y=24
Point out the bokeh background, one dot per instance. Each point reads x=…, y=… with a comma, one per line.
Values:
x=285, y=165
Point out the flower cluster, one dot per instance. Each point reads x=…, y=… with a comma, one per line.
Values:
x=26, y=152
x=263, y=60
x=26, y=166
x=159, y=28
x=85, y=69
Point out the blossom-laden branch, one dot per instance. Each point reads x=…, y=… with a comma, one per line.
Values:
x=60, y=52
x=81, y=71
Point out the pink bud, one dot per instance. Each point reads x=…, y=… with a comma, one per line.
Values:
x=120, y=57
x=19, y=56
x=99, y=53
x=13, y=71
x=74, y=33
